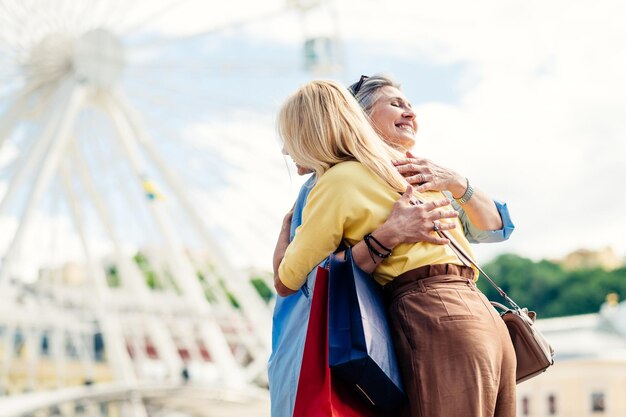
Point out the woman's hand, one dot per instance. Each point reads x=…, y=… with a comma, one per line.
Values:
x=411, y=222
x=287, y=219
x=279, y=253
x=408, y=222
x=425, y=175
x=428, y=176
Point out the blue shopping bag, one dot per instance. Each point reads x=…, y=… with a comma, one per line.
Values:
x=360, y=348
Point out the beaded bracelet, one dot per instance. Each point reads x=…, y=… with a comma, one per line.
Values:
x=373, y=251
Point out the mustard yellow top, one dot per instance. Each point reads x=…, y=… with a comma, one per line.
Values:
x=346, y=203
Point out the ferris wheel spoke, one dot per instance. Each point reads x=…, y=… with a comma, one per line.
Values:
x=10, y=76
x=117, y=16
x=8, y=120
x=32, y=26
x=17, y=105
x=10, y=22
x=55, y=14
x=135, y=202
x=41, y=145
x=45, y=172
x=78, y=219
x=105, y=12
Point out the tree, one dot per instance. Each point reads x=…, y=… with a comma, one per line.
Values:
x=545, y=287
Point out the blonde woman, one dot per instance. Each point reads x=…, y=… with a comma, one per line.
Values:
x=454, y=351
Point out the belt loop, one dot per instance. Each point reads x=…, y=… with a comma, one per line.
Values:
x=421, y=285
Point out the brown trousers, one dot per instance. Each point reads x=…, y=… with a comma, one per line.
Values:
x=454, y=351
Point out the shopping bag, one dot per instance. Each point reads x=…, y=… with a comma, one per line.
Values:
x=361, y=350
x=319, y=394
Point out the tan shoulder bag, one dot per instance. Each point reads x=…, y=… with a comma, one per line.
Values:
x=533, y=351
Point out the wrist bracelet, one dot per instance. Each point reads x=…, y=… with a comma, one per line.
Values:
x=380, y=244
x=469, y=192
x=373, y=251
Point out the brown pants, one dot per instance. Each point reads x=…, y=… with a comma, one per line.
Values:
x=454, y=351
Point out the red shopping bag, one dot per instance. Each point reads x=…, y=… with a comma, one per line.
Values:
x=319, y=394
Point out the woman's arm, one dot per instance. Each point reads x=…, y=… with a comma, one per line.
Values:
x=428, y=176
x=480, y=209
x=476, y=235
x=330, y=203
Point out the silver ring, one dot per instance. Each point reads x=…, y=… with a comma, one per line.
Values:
x=436, y=226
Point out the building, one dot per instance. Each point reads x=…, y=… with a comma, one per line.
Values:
x=589, y=259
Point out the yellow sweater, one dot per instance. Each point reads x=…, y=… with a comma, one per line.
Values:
x=346, y=203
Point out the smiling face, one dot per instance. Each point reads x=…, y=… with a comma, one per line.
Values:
x=393, y=118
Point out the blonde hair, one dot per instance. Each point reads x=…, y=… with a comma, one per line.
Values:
x=321, y=125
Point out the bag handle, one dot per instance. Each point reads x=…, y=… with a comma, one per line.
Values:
x=468, y=261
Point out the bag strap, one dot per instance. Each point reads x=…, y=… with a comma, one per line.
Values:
x=468, y=261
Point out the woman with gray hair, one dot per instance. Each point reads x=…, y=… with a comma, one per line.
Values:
x=391, y=114
x=441, y=377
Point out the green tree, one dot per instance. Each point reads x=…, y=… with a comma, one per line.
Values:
x=262, y=288
x=144, y=266
x=547, y=288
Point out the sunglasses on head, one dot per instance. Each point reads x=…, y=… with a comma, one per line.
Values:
x=356, y=87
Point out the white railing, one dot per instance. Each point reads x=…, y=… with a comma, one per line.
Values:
x=31, y=403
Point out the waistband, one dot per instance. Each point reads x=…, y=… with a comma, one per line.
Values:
x=409, y=279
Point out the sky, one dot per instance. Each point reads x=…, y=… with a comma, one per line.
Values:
x=525, y=98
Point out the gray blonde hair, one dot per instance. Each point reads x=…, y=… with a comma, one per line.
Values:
x=321, y=125
x=369, y=90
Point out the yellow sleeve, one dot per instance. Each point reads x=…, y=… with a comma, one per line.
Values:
x=332, y=204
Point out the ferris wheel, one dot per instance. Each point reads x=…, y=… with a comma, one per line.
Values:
x=118, y=157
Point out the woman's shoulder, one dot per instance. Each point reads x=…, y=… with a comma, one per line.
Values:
x=343, y=169
x=346, y=177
